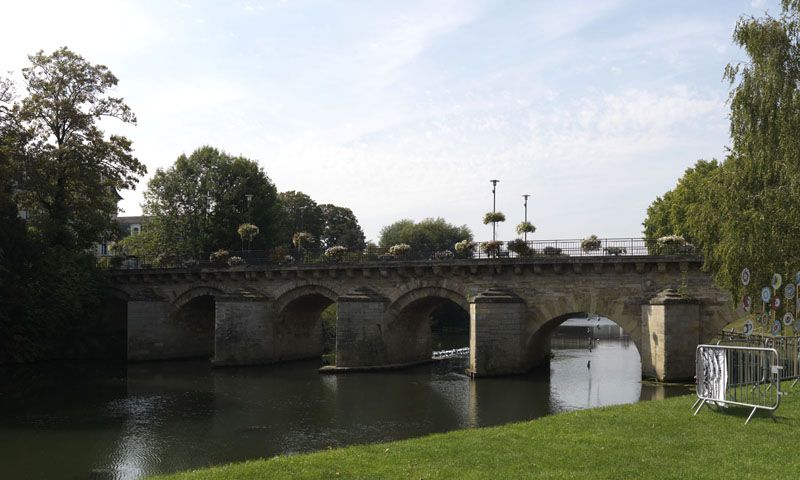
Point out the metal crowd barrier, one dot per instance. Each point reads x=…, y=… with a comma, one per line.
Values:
x=788, y=349
x=738, y=375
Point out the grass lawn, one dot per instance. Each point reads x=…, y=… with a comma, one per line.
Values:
x=653, y=440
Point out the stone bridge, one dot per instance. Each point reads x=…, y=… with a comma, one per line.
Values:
x=264, y=314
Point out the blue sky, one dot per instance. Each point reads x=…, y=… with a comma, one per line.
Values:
x=408, y=109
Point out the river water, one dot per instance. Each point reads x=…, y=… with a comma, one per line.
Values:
x=83, y=421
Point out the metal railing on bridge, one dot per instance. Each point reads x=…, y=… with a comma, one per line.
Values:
x=515, y=249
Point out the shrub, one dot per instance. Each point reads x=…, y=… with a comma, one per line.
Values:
x=492, y=217
x=220, y=257
x=400, y=250
x=491, y=248
x=590, y=243
x=616, y=251
x=525, y=227
x=520, y=247
x=287, y=259
x=236, y=261
x=336, y=252
x=551, y=251
x=385, y=257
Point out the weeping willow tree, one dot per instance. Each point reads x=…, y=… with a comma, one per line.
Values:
x=746, y=212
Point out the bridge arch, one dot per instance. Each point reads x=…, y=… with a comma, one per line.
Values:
x=545, y=316
x=310, y=290
x=418, y=294
x=298, y=330
x=193, y=293
x=409, y=337
x=192, y=321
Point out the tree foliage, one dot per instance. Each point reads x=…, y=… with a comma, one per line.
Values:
x=746, y=211
x=198, y=203
x=429, y=235
x=341, y=228
x=675, y=212
x=302, y=214
x=60, y=167
x=68, y=170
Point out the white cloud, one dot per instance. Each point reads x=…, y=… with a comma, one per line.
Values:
x=101, y=30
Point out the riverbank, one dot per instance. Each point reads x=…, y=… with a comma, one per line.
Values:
x=657, y=439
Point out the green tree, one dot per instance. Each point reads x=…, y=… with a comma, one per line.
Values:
x=302, y=214
x=746, y=212
x=757, y=194
x=197, y=204
x=428, y=235
x=673, y=213
x=341, y=228
x=68, y=170
x=56, y=164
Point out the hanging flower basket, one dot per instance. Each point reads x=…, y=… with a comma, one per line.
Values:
x=590, y=243
x=301, y=238
x=493, y=217
x=525, y=227
x=248, y=231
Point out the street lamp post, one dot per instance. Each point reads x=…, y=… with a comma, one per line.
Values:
x=525, y=234
x=494, y=206
x=249, y=197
